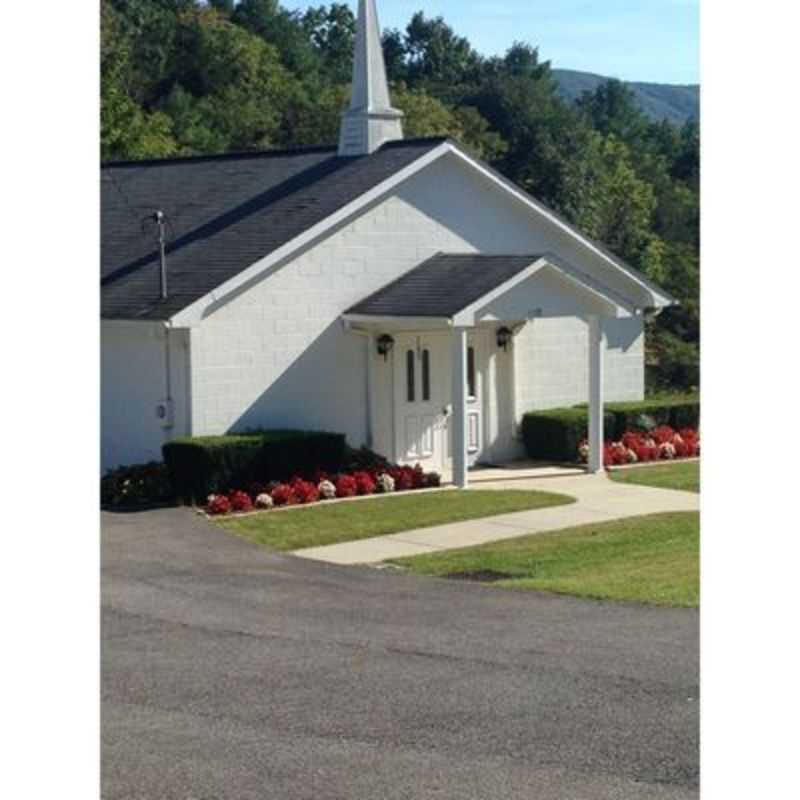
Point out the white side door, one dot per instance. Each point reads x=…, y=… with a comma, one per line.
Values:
x=476, y=388
x=421, y=397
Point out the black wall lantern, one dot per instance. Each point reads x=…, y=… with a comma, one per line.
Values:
x=385, y=345
x=504, y=336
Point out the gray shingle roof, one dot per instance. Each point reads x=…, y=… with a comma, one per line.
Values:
x=443, y=285
x=225, y=213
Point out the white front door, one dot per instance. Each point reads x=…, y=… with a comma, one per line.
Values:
x=476, y=388
x=422, y=397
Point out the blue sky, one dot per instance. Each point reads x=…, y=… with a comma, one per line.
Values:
x=644, y=40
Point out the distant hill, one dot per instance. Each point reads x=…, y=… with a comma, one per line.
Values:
x=658, y=100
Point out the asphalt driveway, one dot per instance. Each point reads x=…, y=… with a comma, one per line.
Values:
x=230, y=673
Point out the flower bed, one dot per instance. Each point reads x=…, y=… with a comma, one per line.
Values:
x=322, y=487
x=660, y=444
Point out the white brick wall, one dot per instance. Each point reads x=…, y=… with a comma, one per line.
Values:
x=277, y=355
x=133, y=384
x=553, y=363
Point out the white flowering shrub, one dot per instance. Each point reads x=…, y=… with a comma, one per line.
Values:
x=264, y=501
x=385, y=484
x=327, y=490
x=667, y=450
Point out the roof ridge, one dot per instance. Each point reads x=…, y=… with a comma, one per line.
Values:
x=240, y=154
x=243, y=154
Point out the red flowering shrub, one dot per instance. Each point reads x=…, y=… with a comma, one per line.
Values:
x=304, y=491
x=346, y=486
x=663, y=434
x=299, y=491
x=691, y=439
x=365, y=483
x=282, y=495
x=240, y=502
x=403, y=478
x=219, y=505
x=663, y=443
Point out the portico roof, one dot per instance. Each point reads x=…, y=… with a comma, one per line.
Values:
x=449, y=285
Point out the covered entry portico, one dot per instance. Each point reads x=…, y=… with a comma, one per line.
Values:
x=448, y=327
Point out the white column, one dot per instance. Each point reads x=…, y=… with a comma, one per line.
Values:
x=490, y=403
x=458, y=360
x=370, y=390
x=597, y=346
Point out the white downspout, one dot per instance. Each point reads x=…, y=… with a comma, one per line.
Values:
x=166, y=410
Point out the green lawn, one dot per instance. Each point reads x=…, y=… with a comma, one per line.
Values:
x=679, y=475
x=345, y=522
x=652, y=559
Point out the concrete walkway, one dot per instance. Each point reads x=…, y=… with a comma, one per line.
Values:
x=599, y=499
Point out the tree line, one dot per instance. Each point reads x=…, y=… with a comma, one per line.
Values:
x=181, y=77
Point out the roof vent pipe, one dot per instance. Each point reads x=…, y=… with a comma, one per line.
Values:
x=160, y=220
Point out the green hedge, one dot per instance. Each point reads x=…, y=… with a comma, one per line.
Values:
x=554, y=435
x=679, y=411
x=200, y=466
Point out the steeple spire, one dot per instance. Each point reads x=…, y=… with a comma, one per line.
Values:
x=370, y=121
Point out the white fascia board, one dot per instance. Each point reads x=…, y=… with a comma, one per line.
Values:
x=660, y=298
x=467, y=315
x=611, y=300
x=193, y=314
x=592, y=285
x=405, y=323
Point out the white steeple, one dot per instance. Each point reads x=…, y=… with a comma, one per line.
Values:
x=371, y=121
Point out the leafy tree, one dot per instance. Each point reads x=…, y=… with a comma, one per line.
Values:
x=314, y=117
x=613, y=110
x=223, y=6
x=523, y=60
x=618, y=206
x=281, y=29
x=149, y=28
x=436, y=55
x=394, y=53
x=686, y=165
x=229, y=86
x=541, y=132
x=426, y=116
x=126, y=130
x=331, y=31
x=477, y=134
